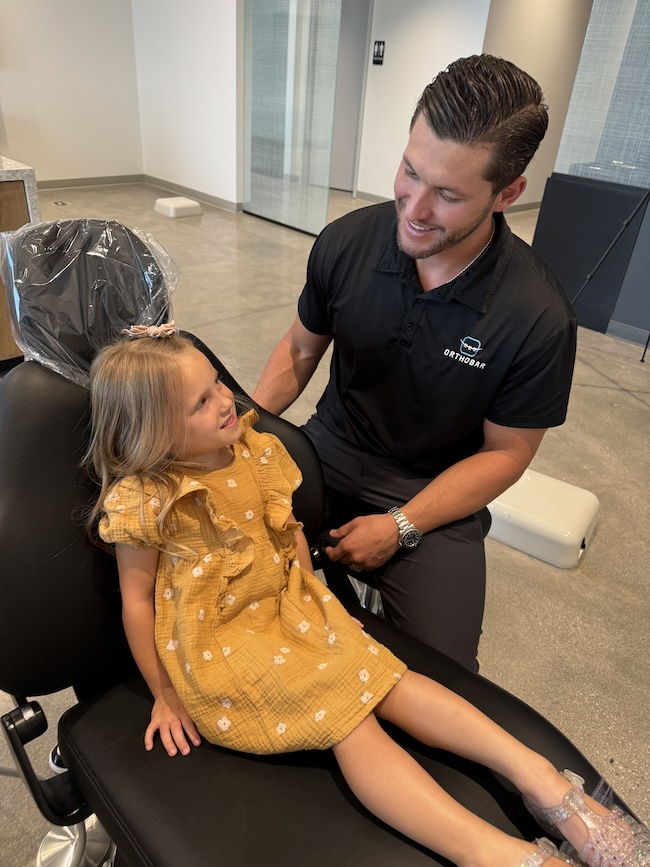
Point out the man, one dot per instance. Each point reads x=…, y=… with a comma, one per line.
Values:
x=453, y=353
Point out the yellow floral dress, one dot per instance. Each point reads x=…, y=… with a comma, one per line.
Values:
x=264, y=658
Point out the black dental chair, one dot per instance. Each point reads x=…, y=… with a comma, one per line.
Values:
x=60, y=627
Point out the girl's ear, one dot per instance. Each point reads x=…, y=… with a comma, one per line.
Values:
x=510, y=194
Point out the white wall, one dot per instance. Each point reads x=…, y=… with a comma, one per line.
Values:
x=90, y=89
x=187, y=58
x=350, y=84
x=545, y=38
x=68, y=97
x=422, y=37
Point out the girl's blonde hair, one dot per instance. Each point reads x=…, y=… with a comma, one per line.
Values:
x=137, y=396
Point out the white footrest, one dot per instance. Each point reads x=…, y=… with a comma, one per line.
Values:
x=546, y=518
x=177, y=206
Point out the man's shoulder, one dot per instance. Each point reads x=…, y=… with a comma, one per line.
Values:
x=374, y=216
x=529, y=267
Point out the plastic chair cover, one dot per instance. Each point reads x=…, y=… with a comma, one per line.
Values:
x=72, y=285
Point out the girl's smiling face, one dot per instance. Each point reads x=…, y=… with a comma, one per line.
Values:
x=210, y=418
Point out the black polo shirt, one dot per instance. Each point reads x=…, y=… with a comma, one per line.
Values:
x=414, y=374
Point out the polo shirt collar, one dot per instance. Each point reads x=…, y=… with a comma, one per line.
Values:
x=475, y=288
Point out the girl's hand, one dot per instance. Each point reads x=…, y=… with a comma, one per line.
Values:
x=172, y=721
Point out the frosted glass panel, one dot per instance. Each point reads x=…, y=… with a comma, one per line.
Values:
x=291, y=50
x=607, y=130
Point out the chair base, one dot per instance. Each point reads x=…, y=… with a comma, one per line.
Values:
x=83, y=845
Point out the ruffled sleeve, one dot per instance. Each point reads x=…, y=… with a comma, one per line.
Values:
x=130, y=515
x=278, y=475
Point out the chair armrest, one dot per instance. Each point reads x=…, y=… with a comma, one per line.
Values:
x=57, y=798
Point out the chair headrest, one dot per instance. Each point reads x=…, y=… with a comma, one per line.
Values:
x=72, y=285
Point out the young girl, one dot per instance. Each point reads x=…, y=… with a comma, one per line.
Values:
x=238, y=640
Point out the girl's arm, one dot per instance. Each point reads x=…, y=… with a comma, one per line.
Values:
x=305, y=558
x=303, y=548
x=137, y=569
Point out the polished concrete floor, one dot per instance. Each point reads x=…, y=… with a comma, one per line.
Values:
x=572, y=643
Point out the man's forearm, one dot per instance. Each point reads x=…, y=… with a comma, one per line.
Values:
x=472, y=483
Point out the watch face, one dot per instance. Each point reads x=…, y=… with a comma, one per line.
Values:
x=411, y=539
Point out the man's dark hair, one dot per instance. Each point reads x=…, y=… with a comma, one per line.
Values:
x=485, y=100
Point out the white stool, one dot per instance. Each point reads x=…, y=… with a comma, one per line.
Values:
x=177, y=206
x=546, y=518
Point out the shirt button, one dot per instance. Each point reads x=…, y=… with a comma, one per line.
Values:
x=409, y=326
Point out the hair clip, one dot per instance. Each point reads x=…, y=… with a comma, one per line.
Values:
x=166, y=330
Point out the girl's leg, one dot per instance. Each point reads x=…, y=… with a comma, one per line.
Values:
x=393, y=786
x=440, y=718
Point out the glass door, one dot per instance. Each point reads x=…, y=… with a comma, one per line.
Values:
x=290, y=58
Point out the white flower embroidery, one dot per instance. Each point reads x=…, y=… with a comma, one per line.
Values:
x=120, y=508
x=307, y=597
x=188, y=667
x=245, y=453
x=232, y=483
x=201, y=614
x=303, y=626
x=297, y=483
x=173, y=527
x=154, y=502
x=285, y=501
x=193, y=483
x=365, y=697
x=374, y=650
x=197, y=571
x=249, y=515
x=226, y=703
x=281, y=728
x=331, y=638
x=230, y=598
x=254, y=605
x=276, y=558
x=279, y=660
x=207, y=558
x=175, y=561
x=321, y=666
x=285, y=650
x=397, y=675
x=172, y=645
x=264, y=460
x=268, y=451
x=327, y=598
x=364, y=675
x=207, y=655
x=224, y=724
x=319, y=715
x=168, y=593
x=113, y=497
x=225, y=651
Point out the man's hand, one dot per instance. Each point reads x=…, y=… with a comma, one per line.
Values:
x=169, y=717
x=366, y=542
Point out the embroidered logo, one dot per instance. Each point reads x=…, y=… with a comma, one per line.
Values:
x=469, y=348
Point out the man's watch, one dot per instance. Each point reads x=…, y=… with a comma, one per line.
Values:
x=409, y=536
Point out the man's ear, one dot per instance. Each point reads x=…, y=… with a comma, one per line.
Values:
x=510, y=194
